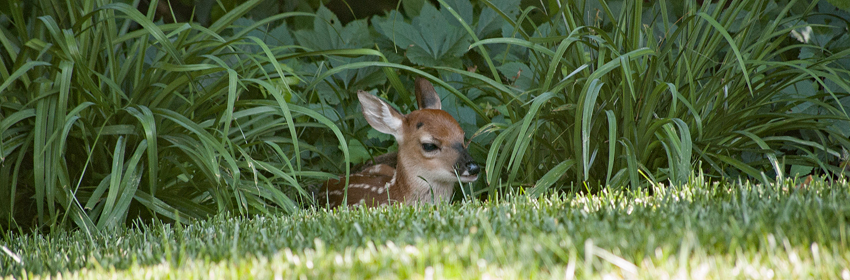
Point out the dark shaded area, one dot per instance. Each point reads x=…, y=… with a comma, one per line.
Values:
x=169, y=11
x=207, y=11
x=348, y=10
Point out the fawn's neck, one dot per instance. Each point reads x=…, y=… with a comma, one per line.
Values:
x=411, y=187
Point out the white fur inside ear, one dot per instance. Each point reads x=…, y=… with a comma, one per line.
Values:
x=392, y=121
x=380, y=115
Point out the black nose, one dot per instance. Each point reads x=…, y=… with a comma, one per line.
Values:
x=473, y=168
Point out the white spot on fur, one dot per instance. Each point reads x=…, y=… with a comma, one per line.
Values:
x=374, y=169
x=359, y=186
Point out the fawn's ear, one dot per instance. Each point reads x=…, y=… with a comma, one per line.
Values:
x=426, y=96
x=381, y=115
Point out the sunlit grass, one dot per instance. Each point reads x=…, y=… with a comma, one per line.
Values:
x=702, y=231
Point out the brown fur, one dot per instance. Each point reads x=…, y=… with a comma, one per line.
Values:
x=431, y=156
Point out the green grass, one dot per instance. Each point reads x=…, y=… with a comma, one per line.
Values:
x=704, y=230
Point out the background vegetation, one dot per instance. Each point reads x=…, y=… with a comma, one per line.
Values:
x=108, y=112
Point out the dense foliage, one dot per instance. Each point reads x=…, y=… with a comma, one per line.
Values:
x=106, y=114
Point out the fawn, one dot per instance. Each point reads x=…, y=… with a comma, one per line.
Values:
x=431, y=156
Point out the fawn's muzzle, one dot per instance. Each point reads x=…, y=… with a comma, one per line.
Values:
x=467, y=168
x=472, y=168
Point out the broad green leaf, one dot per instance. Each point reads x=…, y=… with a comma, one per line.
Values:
x=491, y=21
x=461, y=7
x=430, y=40
x=329, y=34
x=357, y=150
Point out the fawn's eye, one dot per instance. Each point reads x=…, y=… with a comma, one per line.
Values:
x=429, y=147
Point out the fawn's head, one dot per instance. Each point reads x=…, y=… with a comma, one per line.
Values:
x=431, y=143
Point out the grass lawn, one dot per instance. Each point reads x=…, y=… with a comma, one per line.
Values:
x=699, y=231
